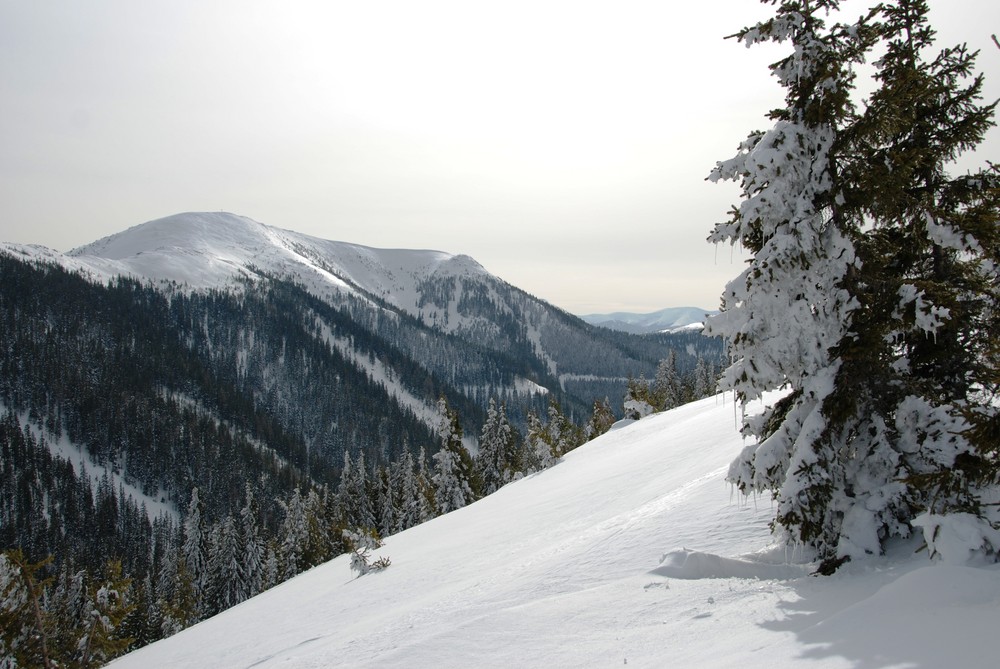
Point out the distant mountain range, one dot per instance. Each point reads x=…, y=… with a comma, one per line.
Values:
x=672, y=319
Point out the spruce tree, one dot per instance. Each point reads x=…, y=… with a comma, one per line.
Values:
x=562, y=435
x=227, y=585
x=787, y=311
x=871, y=288
x=537, y=450
x=24, y=629
x=253, y=556
x=387, y=511
x=294, y=536
x=453, y=467
x=495, y=462
x=107, y=605
x=667, y=389
x=919, y=356
x=601, y=419
x=409, y=494
x=194, y=550
x=425, y=486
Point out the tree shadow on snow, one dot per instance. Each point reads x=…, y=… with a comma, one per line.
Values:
x=910, y=615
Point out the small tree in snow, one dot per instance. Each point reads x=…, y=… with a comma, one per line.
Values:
x=361, y=543
x=601, y=419
x=638, y=402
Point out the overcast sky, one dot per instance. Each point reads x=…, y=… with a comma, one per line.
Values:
x=564, y=145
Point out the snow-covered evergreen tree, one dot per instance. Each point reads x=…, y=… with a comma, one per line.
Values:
x=919, y=355
x=537, y=450
x=355, y=497
x=253, y=556
x=496, y=463
x=782, y=329
x=425, y=485
x=194, y=549
x=23, y=638
x=360, y=544
x=601, y=419
x=452, y=464
x=638, y=401
x=361, y=495
x=409, y=494
x=861, y=297
x=107, y=606
x=667, y=387
x=227, y=578
x=561, y=433
x=294, y=536
x=386, y=505
x=704, y=382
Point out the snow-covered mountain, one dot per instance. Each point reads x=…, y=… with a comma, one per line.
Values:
x=451, y=294
x=215, y=250
x=306, y=347
x=631, y=551
x=671, y=319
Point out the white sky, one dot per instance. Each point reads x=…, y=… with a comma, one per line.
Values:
x=564, y=145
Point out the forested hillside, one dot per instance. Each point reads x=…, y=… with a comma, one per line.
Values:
x=152, y=434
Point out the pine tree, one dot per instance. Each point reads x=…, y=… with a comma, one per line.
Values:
x=409, y=493
x=667, y=389
x=361, y=497
x=107, y=606
x=253, y=556
x=562, y=434
x=227, y=586
x=360, y=545
x=24, y=629
x=346, y=492
x=704, y=381
x=781, y=328
x=538, y=451
x=601, y=419
x=67, y=607
x=425, y=486
x=453, y=468
x=294, y=536
x=871, y=288
x=194, y=550
x=919, y=355
x=496, y=461
x=639, y=401
x=387, y=510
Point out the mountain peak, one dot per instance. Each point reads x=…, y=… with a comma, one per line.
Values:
x=204, y=250
x=192, y=231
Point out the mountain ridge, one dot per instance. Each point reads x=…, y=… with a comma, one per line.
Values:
x=259, y=316
x=664, y=320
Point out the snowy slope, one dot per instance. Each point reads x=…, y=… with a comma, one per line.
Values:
x=630, y=551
